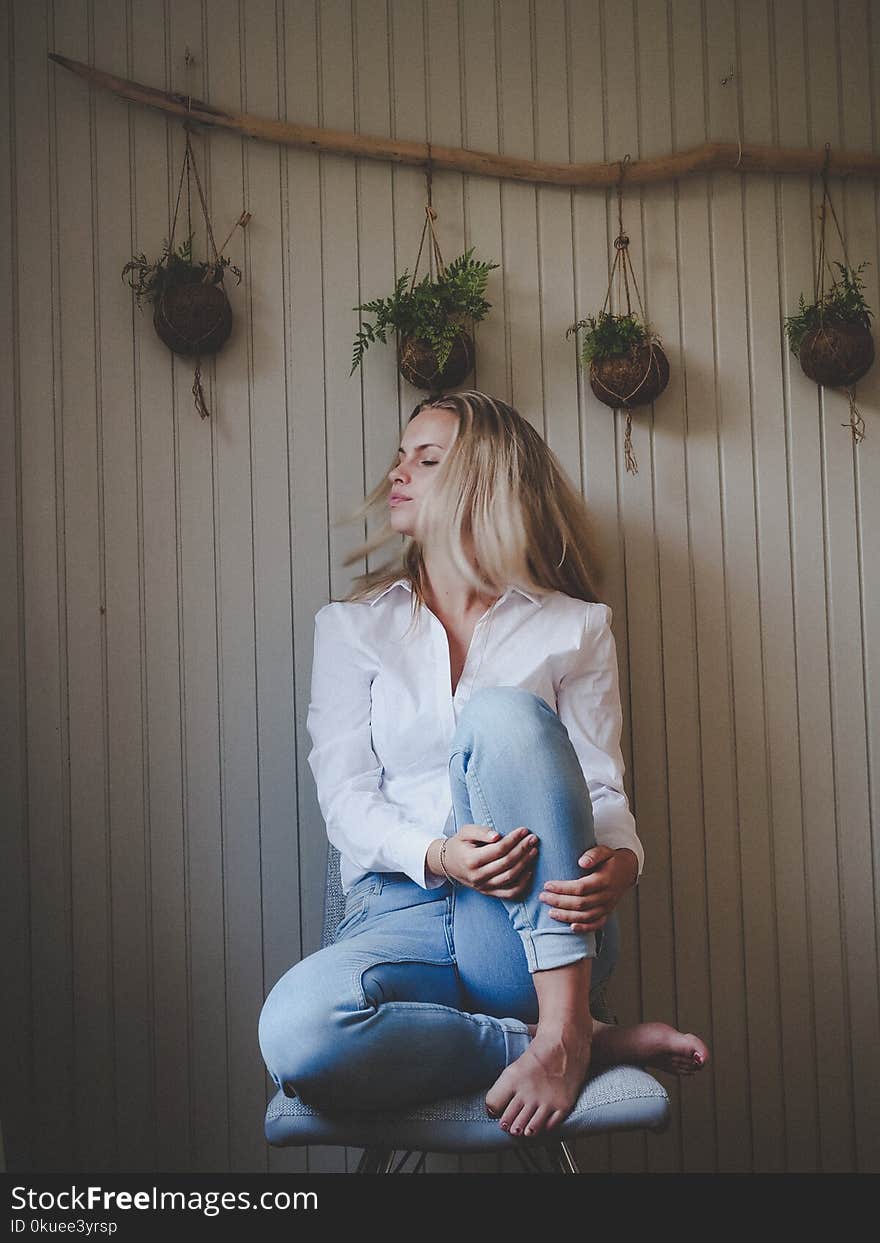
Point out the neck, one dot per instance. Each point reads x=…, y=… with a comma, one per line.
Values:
x=447, y=593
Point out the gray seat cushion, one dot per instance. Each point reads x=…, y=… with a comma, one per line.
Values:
x=622, y=1098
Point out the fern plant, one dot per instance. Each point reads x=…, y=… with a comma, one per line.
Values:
x=431, y=311
x=173, y=267
x=842, y=303
x=610, y=336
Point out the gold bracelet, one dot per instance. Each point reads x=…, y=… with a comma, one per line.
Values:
x=443, y=845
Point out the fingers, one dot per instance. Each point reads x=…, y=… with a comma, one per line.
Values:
x=522, y=849
x=582, y=887
x=510, y=877
x=493, y=851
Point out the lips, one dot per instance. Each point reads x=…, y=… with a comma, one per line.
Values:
x=397, y=499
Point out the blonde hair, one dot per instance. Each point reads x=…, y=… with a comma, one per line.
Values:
x=502, y=485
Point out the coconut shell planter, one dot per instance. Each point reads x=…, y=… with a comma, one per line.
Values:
x=831, y=338
x=193, y=318
x=635, y=378
x=836, y=355
x=417, y=362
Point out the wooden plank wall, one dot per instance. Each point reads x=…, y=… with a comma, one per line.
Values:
x=163, y=851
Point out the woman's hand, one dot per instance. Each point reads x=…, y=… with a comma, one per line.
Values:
x=482, y=859
x=586, y=903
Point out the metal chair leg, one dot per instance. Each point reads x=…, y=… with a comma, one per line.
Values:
x=379, y=1160
x=374, y=1161
x=567, y=1163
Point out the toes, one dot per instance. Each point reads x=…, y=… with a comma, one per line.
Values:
x=539, y=1120
x=522, y=1120
x=511, y=1114
x=497, y=1099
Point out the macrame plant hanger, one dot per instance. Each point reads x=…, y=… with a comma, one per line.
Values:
x=193, y=316
x=413, y=357
x=430, y=216
x=622, y=269
x=856, y=422
x=189, y=170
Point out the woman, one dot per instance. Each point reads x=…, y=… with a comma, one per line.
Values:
x=473, y=936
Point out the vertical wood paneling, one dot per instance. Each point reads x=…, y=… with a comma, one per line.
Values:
x=167, y=879
x=409, y=119
x=743, y=843
x=760, y=393
x=168, y=864
x=847, y=564
x=197, y=568
x=623, y=510
x=695, y=768
x=809, y=516
x=519, y=207
x=81, y=488
x=254, y=537
x=554, y=204
x=122, y=569
x=376, y=379
x=774, y=371
x=14, y=896
x=47, y=939
x=655, y=562
x=483, y=194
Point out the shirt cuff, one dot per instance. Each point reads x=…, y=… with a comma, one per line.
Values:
x=413, y=854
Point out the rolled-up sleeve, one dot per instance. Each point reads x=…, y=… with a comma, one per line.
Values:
x=374, y=833
x=588, y=704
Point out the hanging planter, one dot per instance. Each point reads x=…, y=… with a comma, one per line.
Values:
x=622, y=354
x=433, y=320
x=831, y=336
x=191, y=312
x=626, y=363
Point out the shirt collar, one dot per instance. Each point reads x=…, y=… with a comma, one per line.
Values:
x=404, y=582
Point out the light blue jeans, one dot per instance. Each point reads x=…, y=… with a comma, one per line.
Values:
x=426, y=993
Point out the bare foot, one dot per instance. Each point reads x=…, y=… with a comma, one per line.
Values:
x=648, y=1044
x=538, y=1090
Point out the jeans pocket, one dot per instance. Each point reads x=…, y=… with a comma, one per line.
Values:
x=356, y=904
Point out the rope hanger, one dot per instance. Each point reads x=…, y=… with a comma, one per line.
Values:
x=856, y=423
x=430, y=217
x=622, y=268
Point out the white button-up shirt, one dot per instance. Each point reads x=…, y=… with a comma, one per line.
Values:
x=382, y=716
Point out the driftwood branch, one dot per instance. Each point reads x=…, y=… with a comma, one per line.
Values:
x=711, y=157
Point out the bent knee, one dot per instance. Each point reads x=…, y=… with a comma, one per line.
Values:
x=296, y=1029
x=511, y=712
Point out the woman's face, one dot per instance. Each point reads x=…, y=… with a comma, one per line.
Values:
x=426, y=441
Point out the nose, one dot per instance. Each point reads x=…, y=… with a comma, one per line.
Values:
x=397, y=473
